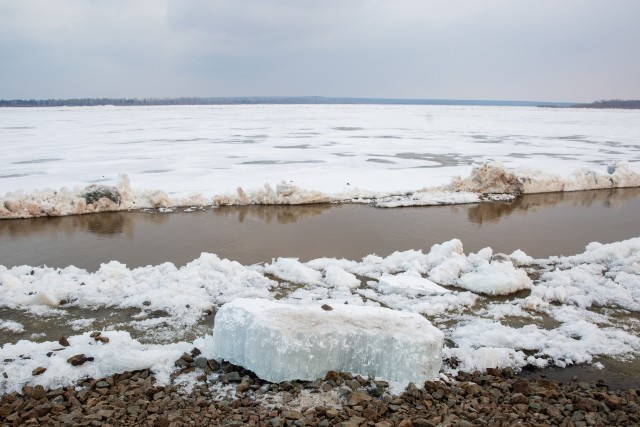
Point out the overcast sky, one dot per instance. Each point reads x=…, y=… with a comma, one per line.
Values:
x=540, y=50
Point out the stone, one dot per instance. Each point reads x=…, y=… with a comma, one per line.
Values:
x=614, y=402
x=332, y=413
x=79, y=359
x=292, y=415
x=38, y=371
x=356, y=398
x=233, y=376
x=63, y=341
x=521, y=386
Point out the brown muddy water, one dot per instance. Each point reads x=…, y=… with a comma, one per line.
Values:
x=541, y=225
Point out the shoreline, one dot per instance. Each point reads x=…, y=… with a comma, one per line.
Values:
x=230, y=395
x=487, y=182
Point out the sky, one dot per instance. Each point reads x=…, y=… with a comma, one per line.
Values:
x=536, y=50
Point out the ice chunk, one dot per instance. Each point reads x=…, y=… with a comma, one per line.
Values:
x=292, y=270
x=496, y=278
x=408, y=284
x=280, y=341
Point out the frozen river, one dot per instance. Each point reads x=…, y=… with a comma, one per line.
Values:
x=198, y=155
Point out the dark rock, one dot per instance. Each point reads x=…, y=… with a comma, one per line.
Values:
x=38, y=392
x=79, y=359
x=102, y=339
x=614, y=402
x=94, y=193
x=521, y=386
x=332, y=376
x=63, y=341
x=327, y=307
x=201, y=362
x=230, y=377
x=356, y=398
x=38, y=371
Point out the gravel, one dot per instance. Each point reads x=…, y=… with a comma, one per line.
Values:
x=229, y=395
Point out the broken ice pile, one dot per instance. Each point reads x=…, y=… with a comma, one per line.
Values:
x=281, y=342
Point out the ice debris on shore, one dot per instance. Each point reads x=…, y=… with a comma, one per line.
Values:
x=487, y=182
x=284, y=342
x=565, y=310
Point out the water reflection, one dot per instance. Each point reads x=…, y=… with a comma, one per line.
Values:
x=103, y=224
x=494, y=212
x=283, y=214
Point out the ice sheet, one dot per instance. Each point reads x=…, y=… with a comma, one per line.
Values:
x=391, y=155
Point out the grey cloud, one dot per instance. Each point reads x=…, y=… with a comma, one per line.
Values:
x=496, y=49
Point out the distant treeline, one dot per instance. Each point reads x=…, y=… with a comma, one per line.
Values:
x=611, y=103
x=77, y=102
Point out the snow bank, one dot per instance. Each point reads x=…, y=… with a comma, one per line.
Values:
x=488, y=182
x=121, y=353
x=495, y=178
x=282, y=342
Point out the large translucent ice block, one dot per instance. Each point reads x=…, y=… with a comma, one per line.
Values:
x=281, y=342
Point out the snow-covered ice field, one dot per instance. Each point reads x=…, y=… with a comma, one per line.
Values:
x=203, y=155
x=494, y=309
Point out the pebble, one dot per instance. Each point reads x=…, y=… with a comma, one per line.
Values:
x=497, y=397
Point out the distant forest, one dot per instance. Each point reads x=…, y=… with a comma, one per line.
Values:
x=254, y=100
x=611, y=103
x=259, y=100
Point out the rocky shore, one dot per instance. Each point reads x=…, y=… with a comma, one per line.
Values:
x=205, y=392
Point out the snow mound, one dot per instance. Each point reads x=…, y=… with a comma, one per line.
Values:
x=280, y=341
x=292, y=270
x=495, y=178
x=495, y=278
